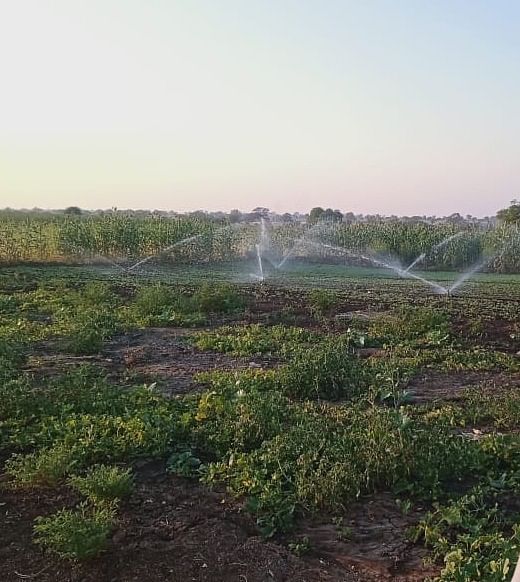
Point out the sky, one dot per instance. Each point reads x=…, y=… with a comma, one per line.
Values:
x=369, y=106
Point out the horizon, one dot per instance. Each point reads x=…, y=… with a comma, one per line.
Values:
x=375, y=108
x=242, y=211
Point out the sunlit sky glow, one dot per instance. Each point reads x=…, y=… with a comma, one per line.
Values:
x=388, y=106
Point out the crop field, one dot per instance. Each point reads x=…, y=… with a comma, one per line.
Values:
x=185, y=422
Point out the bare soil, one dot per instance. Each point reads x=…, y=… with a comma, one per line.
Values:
x=431, y=386
x=170, y=529
x=372, y=537
x=162, y=355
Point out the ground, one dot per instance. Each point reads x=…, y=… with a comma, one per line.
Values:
x=175, y=528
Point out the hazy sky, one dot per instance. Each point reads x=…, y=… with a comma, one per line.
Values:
x=390, y=106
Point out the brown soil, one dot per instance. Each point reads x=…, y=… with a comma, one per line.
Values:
x=431, y=386
x=170, y=529
x=162, y=355
x=166, y=356
x=371, y=537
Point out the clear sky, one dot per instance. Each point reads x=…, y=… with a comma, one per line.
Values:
x=389, y=106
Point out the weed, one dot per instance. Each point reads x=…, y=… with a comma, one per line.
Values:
x=301, y=546
x=103, y=483
x=75, y=534
x=330, y=371
x=256, y=339
x=322, y=301
x=45, y=468
x=184, y=464
x=217, y=298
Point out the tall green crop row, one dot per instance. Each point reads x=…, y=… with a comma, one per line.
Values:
x=28, y=239
x=36, y=238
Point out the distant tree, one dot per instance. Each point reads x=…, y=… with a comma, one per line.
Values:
x=316, y=215
x=260, y=211
x=332, y=215
x=455, y=218
x=235, y=216
x=200, y=214
x=287, y=217
x=510, y=215
x=73, y=211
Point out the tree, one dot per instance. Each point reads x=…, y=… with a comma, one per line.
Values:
x=510, y=215
x=73, y=211
x=332, y=215
x=316, y=215
x=235, y=216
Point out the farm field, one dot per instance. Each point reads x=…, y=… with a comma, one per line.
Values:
x=326, y=424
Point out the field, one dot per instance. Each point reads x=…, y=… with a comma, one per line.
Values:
x=47, y=238
x=327, y=424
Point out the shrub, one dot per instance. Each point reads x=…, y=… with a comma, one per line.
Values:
x=75, y=534
x=91, y=329
x=322, y=301
x=44, y=468
x=103, y=483
x=329, y=371
x=217, y=298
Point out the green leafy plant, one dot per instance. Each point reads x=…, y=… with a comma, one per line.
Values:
x=255, y=339
x=75, y=534
x=217, y=298
x=184, y=464
x=103, y=484
x=330, y=371
x=45, y=468
x=322, y=301
x=301, y=546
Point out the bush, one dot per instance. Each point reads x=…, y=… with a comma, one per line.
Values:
x=331, y=371
x=78, y=534
x=44, y=468
x=91, y=329
x=322, y=301
x=217, y=298
x=103, y=484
